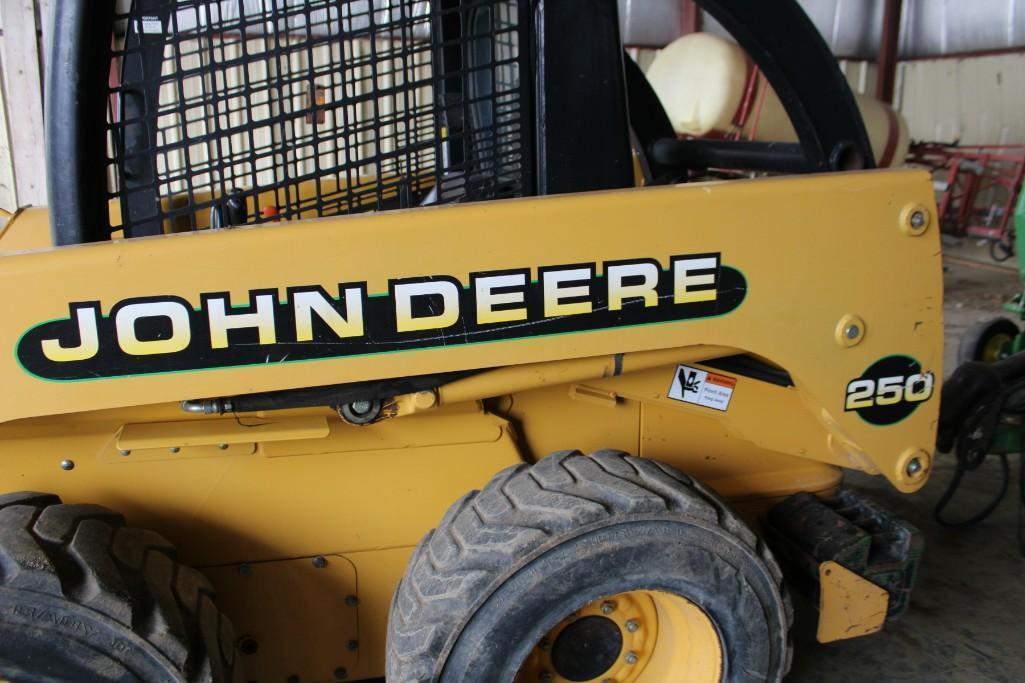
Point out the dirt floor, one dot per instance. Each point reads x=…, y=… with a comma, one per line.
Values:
x=966, y=623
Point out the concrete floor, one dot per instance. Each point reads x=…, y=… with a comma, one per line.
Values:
x=966, y=623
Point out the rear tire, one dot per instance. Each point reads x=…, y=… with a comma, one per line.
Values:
x=85, y=598
x=988, y=341
x=512, y=562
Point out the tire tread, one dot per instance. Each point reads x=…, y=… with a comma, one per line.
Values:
x=523, y=510
x=87, y=555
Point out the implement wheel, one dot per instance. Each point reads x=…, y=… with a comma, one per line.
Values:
x=988, y=341
x=590, y=568
x=84, y=598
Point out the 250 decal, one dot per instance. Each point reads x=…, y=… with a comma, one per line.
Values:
x=889, y=390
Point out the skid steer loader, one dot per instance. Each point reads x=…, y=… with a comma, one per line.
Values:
x=316, y=271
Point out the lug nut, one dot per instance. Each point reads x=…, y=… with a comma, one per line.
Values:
x=632, y=625
x=631, y=658
x=608, y=608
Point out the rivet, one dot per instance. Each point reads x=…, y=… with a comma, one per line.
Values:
x=352, y=645
x=632, y=625
x=351, y=601
x=341, y=673
x=124, y=452
x=850, y=331
x=175, y=449
x=223, y=446
x=67, y=465
x=631, y=657
x=608, y=608
x=319, y=562
x=915, y=220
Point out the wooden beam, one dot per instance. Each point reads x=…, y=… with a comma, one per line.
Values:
x=23, y=97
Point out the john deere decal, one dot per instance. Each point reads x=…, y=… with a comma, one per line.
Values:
x=170, y=334
x=889, y=390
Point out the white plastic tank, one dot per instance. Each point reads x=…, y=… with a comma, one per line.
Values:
x=702, y=78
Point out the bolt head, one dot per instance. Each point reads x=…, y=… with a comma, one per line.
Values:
x=175, y=449
x=319, y=561
x=917, y=219
x=631, y=657
x=223, y=446
x=352, y=645
x=545, y=645
x=608, y=608
x=545, y=677
x=67, y=465
x=351, y=601
x=632, y=625
x=852, y=332
x=341, y=673
x=914, y=467
x=244, y=569
x=124, y=452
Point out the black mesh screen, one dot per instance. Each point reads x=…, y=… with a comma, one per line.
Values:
x=263, y=110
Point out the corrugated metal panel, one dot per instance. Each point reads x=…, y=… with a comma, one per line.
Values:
x=943, y=27
x=975, y=101
x=650, y=22
x=853, y=27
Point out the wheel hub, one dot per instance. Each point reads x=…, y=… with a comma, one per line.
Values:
x=587, y=648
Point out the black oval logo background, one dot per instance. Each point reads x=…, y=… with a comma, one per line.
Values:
x=891, y=366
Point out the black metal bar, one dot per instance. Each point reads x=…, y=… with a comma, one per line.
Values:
x=789, y=50
x=76, y=93
x=735, y=155
x=583, y=140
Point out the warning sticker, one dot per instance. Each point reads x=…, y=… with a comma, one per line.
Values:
x=152, y=25
x=702, y=388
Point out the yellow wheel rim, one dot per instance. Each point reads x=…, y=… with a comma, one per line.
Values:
x=996, y=348
x=649, y=637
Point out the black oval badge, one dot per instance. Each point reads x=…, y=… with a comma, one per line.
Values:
x=889, y=390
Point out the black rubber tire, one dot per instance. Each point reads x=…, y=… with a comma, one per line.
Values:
x=85, y=598
x=976, y=337
x=538, y=542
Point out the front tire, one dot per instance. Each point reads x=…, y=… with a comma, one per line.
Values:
x=85, y=598
x=510, y=569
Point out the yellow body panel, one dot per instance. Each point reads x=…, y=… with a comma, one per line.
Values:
x=850, y=606
x=816, y=254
